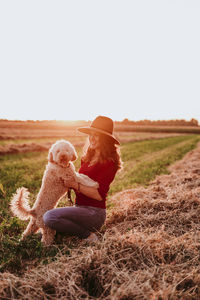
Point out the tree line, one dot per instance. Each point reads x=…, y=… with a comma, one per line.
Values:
x=180, y=122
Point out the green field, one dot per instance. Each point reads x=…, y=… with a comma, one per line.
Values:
x=143, y=160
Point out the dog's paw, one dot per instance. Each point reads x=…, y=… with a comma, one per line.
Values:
x=69, y=182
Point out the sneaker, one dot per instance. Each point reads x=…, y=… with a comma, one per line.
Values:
x=92, y=238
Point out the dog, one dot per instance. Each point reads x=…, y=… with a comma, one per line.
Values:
x=59, y=170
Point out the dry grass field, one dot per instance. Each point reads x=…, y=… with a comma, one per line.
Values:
x=22, y=130
x=149, y=247
x=20, y=136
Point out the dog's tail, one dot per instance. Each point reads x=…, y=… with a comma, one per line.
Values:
x=20, y=204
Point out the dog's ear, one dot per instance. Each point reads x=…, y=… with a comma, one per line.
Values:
x=50, y=156
x=74, y=156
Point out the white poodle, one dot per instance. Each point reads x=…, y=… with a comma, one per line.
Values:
x=58, y=171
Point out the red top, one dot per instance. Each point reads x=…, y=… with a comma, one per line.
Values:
x=104, y=174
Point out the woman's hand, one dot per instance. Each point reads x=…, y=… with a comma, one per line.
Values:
x=80, y=188
x=74, y=185
x=70, y=182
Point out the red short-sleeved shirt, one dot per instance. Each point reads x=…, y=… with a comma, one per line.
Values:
x=104, y=174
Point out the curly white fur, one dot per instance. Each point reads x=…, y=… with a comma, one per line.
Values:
x=58, y=171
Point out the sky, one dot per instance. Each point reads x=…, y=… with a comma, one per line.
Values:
x=74, y=60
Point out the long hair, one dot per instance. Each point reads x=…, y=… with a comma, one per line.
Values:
x=107, y=151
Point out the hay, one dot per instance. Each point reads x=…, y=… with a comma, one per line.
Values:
x=29, y=147
x=150, y=250
x=23, y=148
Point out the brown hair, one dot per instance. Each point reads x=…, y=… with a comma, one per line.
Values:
x=108, y=151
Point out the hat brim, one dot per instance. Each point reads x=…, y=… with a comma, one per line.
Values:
x=89, y=130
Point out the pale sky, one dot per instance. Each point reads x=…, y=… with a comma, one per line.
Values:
x=74, y=60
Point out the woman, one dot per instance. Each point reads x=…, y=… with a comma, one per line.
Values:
x=100, y=162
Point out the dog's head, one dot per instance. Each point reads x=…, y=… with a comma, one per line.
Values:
x=62, y=152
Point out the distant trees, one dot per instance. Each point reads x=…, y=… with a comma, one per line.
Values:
x=194, y=122
x=181, y=122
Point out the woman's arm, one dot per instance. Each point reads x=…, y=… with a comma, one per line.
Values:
x=90, y=192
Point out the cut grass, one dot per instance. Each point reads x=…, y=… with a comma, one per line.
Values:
x=142, y=162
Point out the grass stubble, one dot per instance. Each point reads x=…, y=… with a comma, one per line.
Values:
x=149, y=248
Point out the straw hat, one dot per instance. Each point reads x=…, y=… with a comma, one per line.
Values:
x=103, y=125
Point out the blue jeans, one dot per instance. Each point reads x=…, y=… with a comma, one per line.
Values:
x=76, y=220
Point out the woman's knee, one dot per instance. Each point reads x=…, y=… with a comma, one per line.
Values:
x=49, y=218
